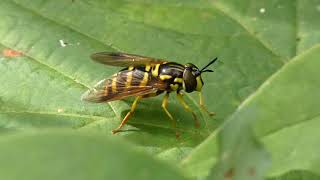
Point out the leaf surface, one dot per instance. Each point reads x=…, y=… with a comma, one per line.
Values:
x=42, y=84
x=102, y=26
x=76, y=156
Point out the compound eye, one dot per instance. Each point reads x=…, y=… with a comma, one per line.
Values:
x=189, y=80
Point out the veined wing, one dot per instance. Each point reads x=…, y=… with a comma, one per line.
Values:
x=122, y=85
x=123, y=59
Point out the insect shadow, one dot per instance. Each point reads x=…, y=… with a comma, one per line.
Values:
x=151, y=127
x=150, y=117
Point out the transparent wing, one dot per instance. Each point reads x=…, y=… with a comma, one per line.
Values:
x=123, y=59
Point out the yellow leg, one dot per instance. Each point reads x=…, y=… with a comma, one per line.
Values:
x=164, y=106
x=187, y=108
x=125, y=119
x=202, y=105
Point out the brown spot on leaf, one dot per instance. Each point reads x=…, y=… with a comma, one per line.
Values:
x=11, y=53
x=228, y=175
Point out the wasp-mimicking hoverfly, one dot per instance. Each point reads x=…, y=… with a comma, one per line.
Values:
x=145, y=77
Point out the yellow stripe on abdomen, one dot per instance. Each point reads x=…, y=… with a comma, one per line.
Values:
x=145, y=79
x=129, y=79
x=105, y=91
x=114, y=85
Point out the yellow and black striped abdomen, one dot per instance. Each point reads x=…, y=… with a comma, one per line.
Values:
x=124, y=84
x=128, y=80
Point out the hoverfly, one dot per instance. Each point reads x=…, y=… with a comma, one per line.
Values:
x=145, y=77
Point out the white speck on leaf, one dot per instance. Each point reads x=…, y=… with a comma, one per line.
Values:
x=60, y=110
x=62, y=43
x=262, y=10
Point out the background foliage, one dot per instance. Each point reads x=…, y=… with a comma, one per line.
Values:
x=265, y=90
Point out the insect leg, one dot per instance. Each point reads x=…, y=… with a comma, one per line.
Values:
x=164, y=106
x=125, y=119
x=203, y=107
x=187, y=108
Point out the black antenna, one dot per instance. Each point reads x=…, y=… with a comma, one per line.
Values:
x=211, y=62
x=207, y=70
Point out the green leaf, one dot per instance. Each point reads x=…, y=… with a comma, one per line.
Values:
x=284, y=115
x=240, y=155
x=76, y=156
x=286, y=27
x=289, y=128
x=252, y=39
x=53, y=77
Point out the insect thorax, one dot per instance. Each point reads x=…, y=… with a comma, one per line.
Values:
x=172, y=74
